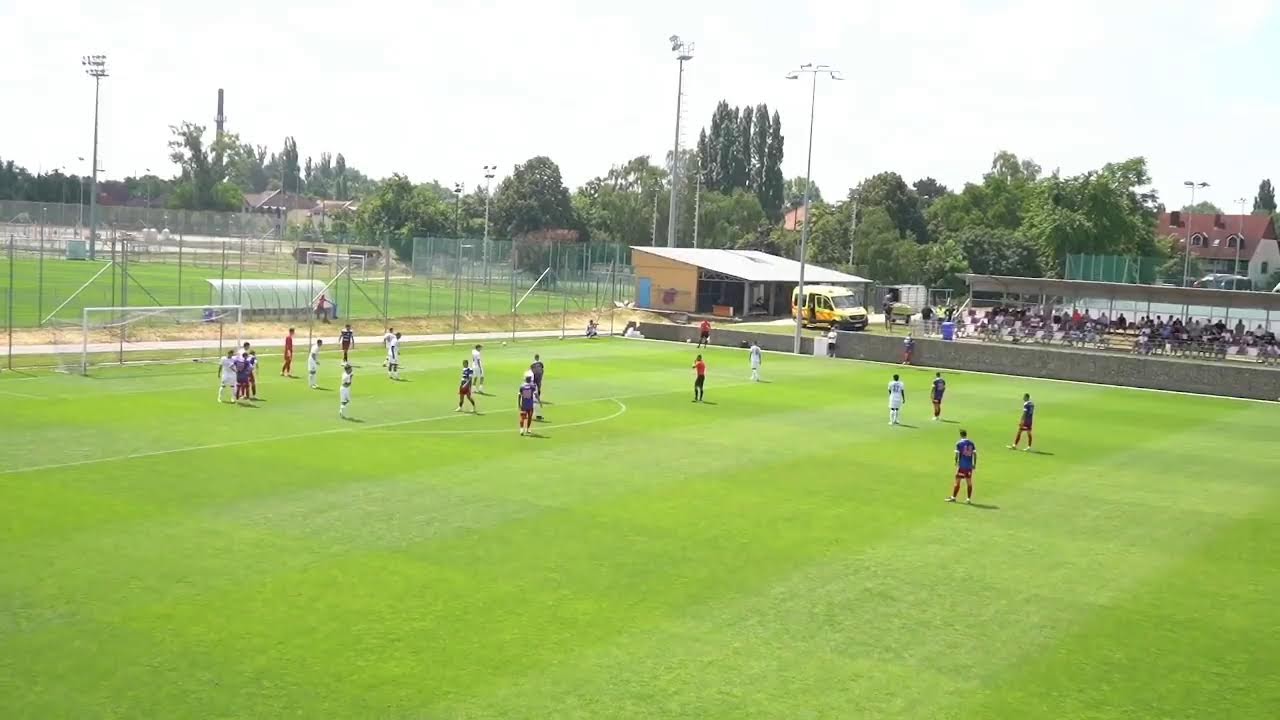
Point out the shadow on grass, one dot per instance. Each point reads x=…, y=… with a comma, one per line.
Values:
x=357, y=421
x=980, y=506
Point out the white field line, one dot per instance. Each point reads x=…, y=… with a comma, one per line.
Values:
x=622, y=408
x=311, y=433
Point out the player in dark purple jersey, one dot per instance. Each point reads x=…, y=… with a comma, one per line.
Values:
x=1024, y=425
x=527, y=400
x=939, y=389
x=243, y=373
x=966, y=463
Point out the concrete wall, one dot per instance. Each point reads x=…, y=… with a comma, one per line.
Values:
x=1230, y=379
x=726, y=338
x=674, y=284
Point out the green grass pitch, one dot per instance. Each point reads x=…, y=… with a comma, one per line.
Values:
x=38, y=291
x=781, y=553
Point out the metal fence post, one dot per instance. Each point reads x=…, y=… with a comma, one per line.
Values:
x=44, y=221
x=9, y=303
x=514, y=263
x=179, y=267
x=386, y=277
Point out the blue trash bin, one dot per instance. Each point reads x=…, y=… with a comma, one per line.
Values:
x=948, y=331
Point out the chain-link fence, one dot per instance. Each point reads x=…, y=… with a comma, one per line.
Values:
x=425, y=285
x=1120, y=269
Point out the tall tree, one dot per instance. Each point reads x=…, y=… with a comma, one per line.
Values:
x=889, y=191
x=742, y=148
x=880, y=250
x=1006, y=166
x=1104, y=212
x=341, y=183
x=204, y=170
x=759, y=149
x=929, y=191
x=400, y=211
x=708, y=160
x=533, y=197
x=772, y=195
x=291, y=171
x=1265, y=202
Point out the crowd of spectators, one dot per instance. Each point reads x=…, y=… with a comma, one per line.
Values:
x=1169, y=336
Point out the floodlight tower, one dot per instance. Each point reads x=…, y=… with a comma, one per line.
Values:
x=683, y=51
x=95, y=66
x=814, y=71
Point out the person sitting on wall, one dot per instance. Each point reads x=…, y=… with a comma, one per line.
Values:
x=592, y=329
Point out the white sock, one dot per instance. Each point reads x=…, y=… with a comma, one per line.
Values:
x=220, y=387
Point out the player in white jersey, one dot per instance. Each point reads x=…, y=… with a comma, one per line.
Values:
x=393, y=357
x=344, y=392
x=897, y=398
x=228, y=370
x=478, y=369
x=387, y=337
x=755, y=361
x=313, y=362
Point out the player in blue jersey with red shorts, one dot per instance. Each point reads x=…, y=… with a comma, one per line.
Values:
x=464, y=387
x=966, y=463
x=1024, y=425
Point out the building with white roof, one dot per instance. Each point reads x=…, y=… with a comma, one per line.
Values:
x=732, y=283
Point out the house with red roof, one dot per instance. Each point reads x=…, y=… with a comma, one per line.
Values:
x=1219, y=242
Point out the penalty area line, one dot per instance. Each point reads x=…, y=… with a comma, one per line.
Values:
x=622, y=409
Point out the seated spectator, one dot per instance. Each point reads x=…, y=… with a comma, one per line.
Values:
x=592, y=329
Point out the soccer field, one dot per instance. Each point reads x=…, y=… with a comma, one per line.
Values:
x=778, y=552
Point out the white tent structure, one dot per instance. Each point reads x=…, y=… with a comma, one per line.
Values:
x=266, y=295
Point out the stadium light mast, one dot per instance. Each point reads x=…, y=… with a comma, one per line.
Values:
x=813, y=71
x=489, y=171
x=1186, y=261
x=457, y=208
x=95, y=66
x=683, y=51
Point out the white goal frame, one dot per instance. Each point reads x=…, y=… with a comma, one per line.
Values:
x=136, y=311
x=336, y=261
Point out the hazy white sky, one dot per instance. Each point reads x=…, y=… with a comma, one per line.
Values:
x=439, y=88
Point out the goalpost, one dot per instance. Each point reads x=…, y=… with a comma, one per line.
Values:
x=356, y=264
x=132, y=335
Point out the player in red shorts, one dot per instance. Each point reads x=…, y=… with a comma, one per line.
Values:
x=287, y=369
x=1024, y=425
x=526, y=400
x=966, y=463
x=464, y=388
x=347, y=338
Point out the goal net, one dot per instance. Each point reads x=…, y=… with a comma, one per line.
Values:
x=138, y=335
x=356, y=265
